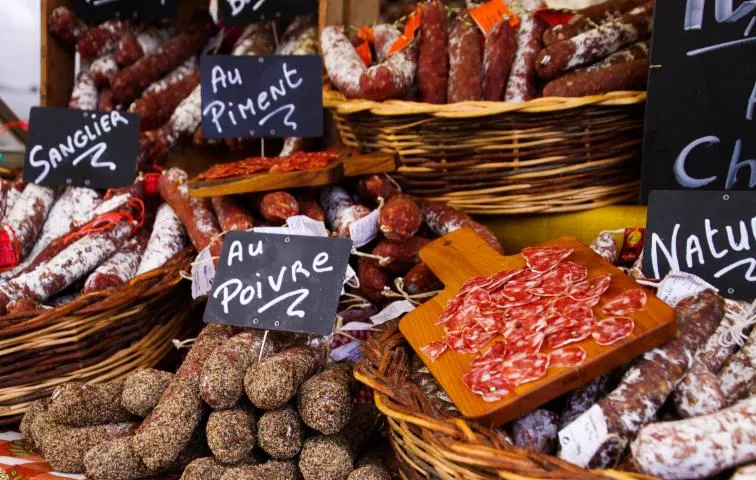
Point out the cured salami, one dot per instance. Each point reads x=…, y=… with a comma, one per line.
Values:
x=568, y=357
x=587, y=18
x=739, y=373
x=342, y=63
x=231, y=215
x=157, y=144
x=442, y=220
x=636, y=51
x=27, y=217
x=628, y=302
x=420, y=279
x=605, y=246
x=434, y=350
x=613, y=329
x=101, y=39
x=84, y=94
x=256, y=39
x=65, y=25
x=544, y=259
x=699, y=393
x=698, y=447
x=103, y=70
x=592, y=288
x=572, y=332
x=394, y=76
x=341, y=211
x=631, y=75
x=433, y=54
x=374, y=187
x=118, y=269
x=277, y=207
x=85, y=203
x=58, y=223
x=400, y=218
x=498, y=55
x=523, y=80
x=156, y=108
x=166, y=240
x=465, y=62
x=580, y=400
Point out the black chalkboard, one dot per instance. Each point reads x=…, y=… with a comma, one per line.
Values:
x=279, y=282
x=278, y=96
x=81, y=148
x=99, y=10
x=701, y=110
x=709, y=234
x=242, y=12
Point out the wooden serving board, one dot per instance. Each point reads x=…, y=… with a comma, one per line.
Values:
x=461, y=255
x=347, y=166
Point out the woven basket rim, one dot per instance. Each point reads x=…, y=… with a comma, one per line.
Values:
x=336, y=101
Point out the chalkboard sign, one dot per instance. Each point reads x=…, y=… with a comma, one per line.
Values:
x=278, y=96
x=710, y=234
x=81, y=148
x=242, y=12
x=701, y=107
x=278, y=282
x=99, y=10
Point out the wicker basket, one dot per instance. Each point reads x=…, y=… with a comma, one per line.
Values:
x=431, y=444
x=97, y=337
x=541, y=156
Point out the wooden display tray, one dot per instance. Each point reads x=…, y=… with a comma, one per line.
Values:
x=346, y=166
x=461, y=255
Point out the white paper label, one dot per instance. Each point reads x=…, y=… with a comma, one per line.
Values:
x=580, y=440
x=276, y=230
x=351, y=351
x=364, y=230
x=679, y=285
x=351, y=275
x=304, y=225
x=203, y=274
x=356, y=327
x=392, y=311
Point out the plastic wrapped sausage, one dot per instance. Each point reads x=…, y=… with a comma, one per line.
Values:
x=647, y=384
x=169, y=427
x=498, y=56
x=27, y=217
x=433, y=54
x=232, y=217
x=523, y=81
x=276, y=379
x=325, y=400
x=143, y=389
x=393, y=76
x=198, y=219
x=231, y=434
x=595, y=44
x=156, y=108
x=536, y=431
x=698, y=447
x=84, y=93
x=622, y=76
x=587, y=18
x=400, y=218
x=465, y=62
x=277, y=207
x=166, y=240
x=77, y=404
x=342, y=63
x=341, y=211
x=101, y=39
x=280, y=433
x=64, y=24
x=443, y=219
x=118, y=269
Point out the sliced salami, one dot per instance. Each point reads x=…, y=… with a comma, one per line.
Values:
x=476, y=337
x=544, y=259
x=564, y=305
x=528, y=309
x=526, y=278
x=530, y=343
x=628, y=302
x=577, y=273
x=573, y=333
x=613, y=329
x=525, y=368
x=568, y=357
x=491, y=385
x=592, y=288
x=434, y=350
x=497, y=353
x=555, y=283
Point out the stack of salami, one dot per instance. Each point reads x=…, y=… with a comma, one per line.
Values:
x=244, y=405
x=59, y=243
x=600, y=49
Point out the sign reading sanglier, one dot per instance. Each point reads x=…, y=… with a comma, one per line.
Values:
x=81, y=148
x=701, y=109
x=242, y=12
x=709, y=234
x=275, y=96
x=279, y=282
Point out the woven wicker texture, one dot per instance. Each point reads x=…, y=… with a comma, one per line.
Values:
x=432, y=444
x=95, y=338
x=542, y=156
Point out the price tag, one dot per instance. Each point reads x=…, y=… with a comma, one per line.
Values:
x=149, y=10
x=679, y=285
x=392, y=311
x=278, y=282
x=580, y=440
x=364, y=230
x=203, y=273
x=275, y=96
x=492, y=12
x=81, y=149
x=242, y=12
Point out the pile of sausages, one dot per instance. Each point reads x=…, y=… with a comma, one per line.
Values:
x=602, y=48
x=242, y=405
x=63, y=247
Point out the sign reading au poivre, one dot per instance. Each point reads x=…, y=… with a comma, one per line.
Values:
x=701, y=108
x=242, y=12
x=81, y=148
x=274, y=96
x=278, y=282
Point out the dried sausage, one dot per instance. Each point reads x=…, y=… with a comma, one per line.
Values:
x=118, y=269
x=342, y=63
x=400, y=218
x=465, y=62
x=143, y=389
x=280, y=433
x=536, y=431
x=27, y=217
x=325, y=400
x=636, y=51
x=277, y=207
x=231, y=215
x=341, y=211
x=622, y=76
x=84, y=93
x=231, y=434
x=587, y=18
x=523, y=81
x=402, y=256
x=65, y=24
x=77, y=404
x=166, y=240
x=498, y=56
x=433, y=54
x=739, y=373
x=374, y=280
x=443, y=219
x=394, y=76
x=103, y=70
x=420, y=279
x=101, y=39
x=275, y=380
x=374, y=187
x=156, y=108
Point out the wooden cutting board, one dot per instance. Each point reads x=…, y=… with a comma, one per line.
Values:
x=461, y=255
x=347, y=166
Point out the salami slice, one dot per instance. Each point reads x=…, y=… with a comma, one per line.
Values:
x=555, y=283
x=525, y=368
x=476, y=337
x=564, y=305
x=568, y=357
x=530, y=343
x=528, y=309
x=434, y=350
x=573, y=333
x=592, y=288
x=630, y=301
x=496, y=354
x=515, y=293
x=526, y=278
x=577, y=273
x=613, y=329
x=544, y=259
x=491, y=385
